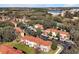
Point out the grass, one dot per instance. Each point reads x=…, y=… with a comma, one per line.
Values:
x=27, y=49
x=21, y=47
x=24, y=48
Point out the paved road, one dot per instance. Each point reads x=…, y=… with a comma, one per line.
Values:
x=60, y=49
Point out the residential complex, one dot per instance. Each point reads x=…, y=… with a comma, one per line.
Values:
x=36, y=42
x=38, y=31
x=6, y=49
x=63, y=35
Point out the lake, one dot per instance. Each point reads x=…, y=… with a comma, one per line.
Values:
x=55, y=11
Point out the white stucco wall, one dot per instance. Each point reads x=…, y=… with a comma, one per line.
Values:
x=53, y=34
x=35, y=45
x=63, y=37
x=36, y=26
x=31, y=44
x=44, y=48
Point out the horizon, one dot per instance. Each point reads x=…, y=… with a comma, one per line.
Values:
x=38, y=5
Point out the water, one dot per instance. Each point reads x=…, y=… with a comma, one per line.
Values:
x=55, y=11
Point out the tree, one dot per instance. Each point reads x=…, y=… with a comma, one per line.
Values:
x=58, y=19
x=68, y=15
x=6, y=24
x=50, y=34
x=21, y=25
x=7, y=35
x=31, y=32
x=39, y=32
x=58, y=36
x=76, y=14
x=39, y=9
x=47, y=24
x=54, y=46
x=54, y=24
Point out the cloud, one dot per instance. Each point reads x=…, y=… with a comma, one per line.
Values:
x=31, y=5
x=39, y=5
x=71, y=5
x=23, y=5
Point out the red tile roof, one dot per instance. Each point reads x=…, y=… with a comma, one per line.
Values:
x=55, y=30
x=39, y=26
x=6, y=49
x=37, y=40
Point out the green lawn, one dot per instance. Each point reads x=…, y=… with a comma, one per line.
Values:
x=27, y=49
x=21, y=47
x=24, y=48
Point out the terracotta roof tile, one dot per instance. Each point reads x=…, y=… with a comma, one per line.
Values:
x=37, y=40
x=39, y=26
x=55, y=30
x=6, y=49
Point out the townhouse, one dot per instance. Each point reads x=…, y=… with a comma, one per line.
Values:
x=36, y=42
x=7, y=49
x=63, y=35
x=39, y=26
x=19, y=31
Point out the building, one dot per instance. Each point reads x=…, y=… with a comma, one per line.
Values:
x=63, y=35
x=36, y=42
x=19, y=31
x=4, y=18
x=6, y=49
x=44, y=36
x=39, y=26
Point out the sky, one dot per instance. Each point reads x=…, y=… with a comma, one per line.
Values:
x=39, y=5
